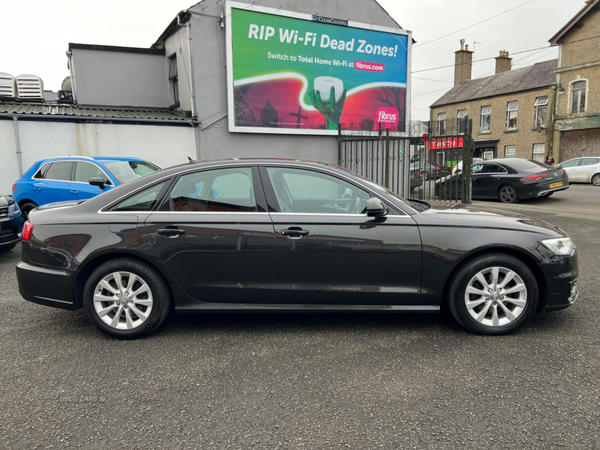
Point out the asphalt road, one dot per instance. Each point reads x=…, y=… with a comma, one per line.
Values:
x=309, y=381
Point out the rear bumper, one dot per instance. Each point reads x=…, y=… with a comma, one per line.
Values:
x=45, y=286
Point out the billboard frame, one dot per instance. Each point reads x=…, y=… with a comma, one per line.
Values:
x=229, y=5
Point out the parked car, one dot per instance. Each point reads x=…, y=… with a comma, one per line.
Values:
x=582, y=170
x=429, y=170
x=11, y=223
x=287, y=236
x=75, y=178
x=507, y=179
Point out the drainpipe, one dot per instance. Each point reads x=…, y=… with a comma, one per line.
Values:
x=72, y=75
x=18, y=141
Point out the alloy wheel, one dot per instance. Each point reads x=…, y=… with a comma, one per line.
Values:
x=496, y=296
x=123, y=300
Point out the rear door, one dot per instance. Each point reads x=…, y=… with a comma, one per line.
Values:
x=55, y=184
x=330, y=252
x=216, y=238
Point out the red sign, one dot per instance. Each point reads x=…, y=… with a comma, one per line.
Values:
x=441, y=144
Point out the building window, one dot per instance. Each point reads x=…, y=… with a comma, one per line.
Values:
x=511, y=115
x=541, y=110
x=461, y=121
x=539, y=150
x=486, y=112
x=578, y=97
x=488, y=154
x=173, y=79
x=441, y=120
x=510, y=150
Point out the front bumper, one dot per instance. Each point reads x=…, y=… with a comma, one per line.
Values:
x=561, y=283
x=45, y=286
x=10, y=231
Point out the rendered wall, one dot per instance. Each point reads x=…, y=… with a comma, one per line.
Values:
x=163, y=145
x=209, y=61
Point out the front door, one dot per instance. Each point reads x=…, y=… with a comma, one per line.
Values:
x=330, y=252
x=214, y=235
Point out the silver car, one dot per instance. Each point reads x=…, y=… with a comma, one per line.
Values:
x=583, y=170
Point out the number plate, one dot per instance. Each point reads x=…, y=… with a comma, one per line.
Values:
x=553, y=185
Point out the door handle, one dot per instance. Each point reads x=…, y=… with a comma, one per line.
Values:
x=37, y=189
x=171, y=232
x=294, y=232
x=75, y=192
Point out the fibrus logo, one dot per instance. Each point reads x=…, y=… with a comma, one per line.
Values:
x=387, y=117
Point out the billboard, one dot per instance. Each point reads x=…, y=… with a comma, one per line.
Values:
x=300, y=74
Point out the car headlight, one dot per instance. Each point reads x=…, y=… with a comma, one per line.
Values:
x=560, y=246
x=13, y=210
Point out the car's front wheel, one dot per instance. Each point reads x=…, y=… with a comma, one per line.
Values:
x=596, y=179
x=126, y=298
x=493, y=294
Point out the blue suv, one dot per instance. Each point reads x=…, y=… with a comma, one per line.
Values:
x=71, y=178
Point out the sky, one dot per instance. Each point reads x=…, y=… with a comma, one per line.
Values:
x=38, y=36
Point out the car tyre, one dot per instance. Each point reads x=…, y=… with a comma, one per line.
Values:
x=26, y=209
x=126, y=298
x=596, y=179
x=508, y=194
x=425, y=175
x=493, y=294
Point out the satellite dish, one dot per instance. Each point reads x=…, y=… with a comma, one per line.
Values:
x=66, y=84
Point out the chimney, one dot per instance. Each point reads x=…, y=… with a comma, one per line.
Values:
x=463, y=62
x=503, y=62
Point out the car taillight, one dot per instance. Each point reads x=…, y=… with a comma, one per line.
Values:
x=563, y=170
x=27, y=230
x=14, y=186
x=537, y=177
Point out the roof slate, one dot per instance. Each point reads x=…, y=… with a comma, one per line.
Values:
x=532, y=77
x=45, y=109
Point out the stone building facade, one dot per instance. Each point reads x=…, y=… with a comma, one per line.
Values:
x=577, y=112
x=510, y=111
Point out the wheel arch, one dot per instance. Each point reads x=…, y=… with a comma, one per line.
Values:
x=26, y=200
x=522, y=256
x=100, y=259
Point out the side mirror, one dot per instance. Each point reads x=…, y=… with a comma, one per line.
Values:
x=376, y=208
x=97, y=181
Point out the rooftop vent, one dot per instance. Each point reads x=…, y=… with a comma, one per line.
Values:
x=30, y=87
x=65, y=95
x=8, y=88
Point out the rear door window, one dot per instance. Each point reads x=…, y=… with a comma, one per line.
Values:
x=220, y=190
x=59, y=171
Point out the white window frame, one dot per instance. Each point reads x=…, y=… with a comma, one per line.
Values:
x=510, y=151
x=441, y=120
x=541, y=156
x=461, y=114
x=487, y=114
x=174, y=78
x=572, y=93
x=512, y=107
x=540, y=103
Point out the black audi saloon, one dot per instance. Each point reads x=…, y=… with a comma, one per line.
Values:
x=281, y=235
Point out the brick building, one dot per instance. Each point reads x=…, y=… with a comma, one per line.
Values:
x=577, y=113
x=509, y=110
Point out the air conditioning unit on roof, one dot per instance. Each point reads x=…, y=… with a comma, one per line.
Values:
x=30, y=87
x=8, y=87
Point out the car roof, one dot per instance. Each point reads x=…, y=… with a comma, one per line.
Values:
x=92, y=158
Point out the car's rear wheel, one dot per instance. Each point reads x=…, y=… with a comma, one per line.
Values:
x=596, y=179
x=126, y=298
x=508, y=194
x=425, y=175
x=26, y=209
x=493, y=294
